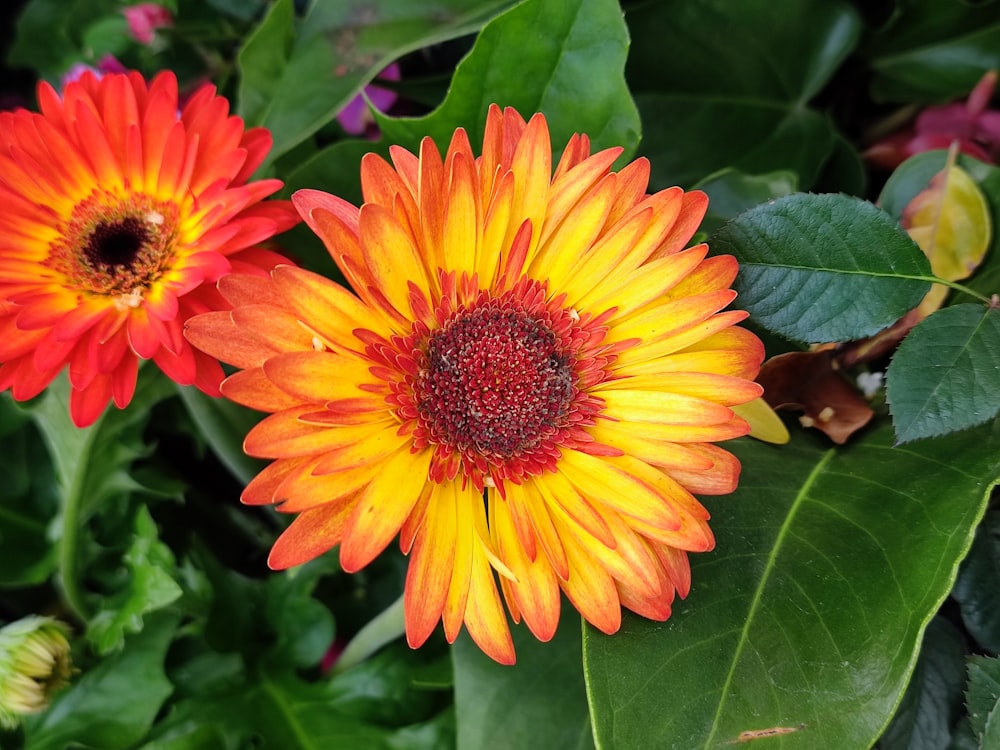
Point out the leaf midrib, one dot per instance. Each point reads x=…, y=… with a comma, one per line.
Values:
x=758, y=594
x=931, y=278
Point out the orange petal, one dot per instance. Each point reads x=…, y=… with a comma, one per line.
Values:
x=616, y=483
x=284, y=435
x=721, y=479
x=390, y=255
x=530, y=497
x=253, y=389
x=591, y=589
x=431, y=568
x=535, y=593
x=309, y=536
x=459, y=501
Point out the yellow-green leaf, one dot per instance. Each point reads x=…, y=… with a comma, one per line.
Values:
x=950, y=221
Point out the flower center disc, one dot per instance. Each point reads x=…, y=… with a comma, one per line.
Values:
x=494, y=380
x=116, y=245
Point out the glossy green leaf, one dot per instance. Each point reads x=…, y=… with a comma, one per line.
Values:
x=50, y=33
x=297, y=74
x=945, y=376
x=303, y=625
x=823, y=268
x=113, y=704
x=387, y=688
x=150, y=586
x=977, y=584
x=92, y=470
x=808, y=615
x=934, y=700
x=572, y=71
x=539, y=702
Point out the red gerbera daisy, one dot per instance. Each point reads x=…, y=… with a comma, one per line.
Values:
x=118, y=213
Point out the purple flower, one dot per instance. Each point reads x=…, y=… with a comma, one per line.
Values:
x=356, y=118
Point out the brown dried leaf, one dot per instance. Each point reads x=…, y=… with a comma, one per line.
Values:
x=810, y=381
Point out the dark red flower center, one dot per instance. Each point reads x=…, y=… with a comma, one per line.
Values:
x=494, y=380
x=499, y=385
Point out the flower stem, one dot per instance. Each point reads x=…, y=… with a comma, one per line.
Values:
x=69, y=546
x=386, y=626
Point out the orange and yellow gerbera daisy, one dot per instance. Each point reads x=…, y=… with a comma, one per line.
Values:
x=525, y=385
x=118, y=213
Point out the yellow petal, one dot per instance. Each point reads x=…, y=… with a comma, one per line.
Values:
x=662, y=407
x=390, y=255
x=765, y=424
x=382, y=507
x=616, y=485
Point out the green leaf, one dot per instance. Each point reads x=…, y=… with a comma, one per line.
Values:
x=150, y=586
x=763, y=137
x=92, y=467
x=278, y=710
x=28, y=503
x=778, y=51
x=297, y=76
x=576, y=46
x=983, y=694
x=807, y=617
x=386, y=688
x=933, y=701
x=112, y=705
x=727, y=85
x=939, y=71
x=823, y=268
x=945, y=376
x=540, y=702
x=731, y=192
x=302, y=624
x=50, y=33
x=977, y=584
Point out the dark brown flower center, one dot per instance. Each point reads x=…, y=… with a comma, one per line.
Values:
x=494, y=380
x=116, y=246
